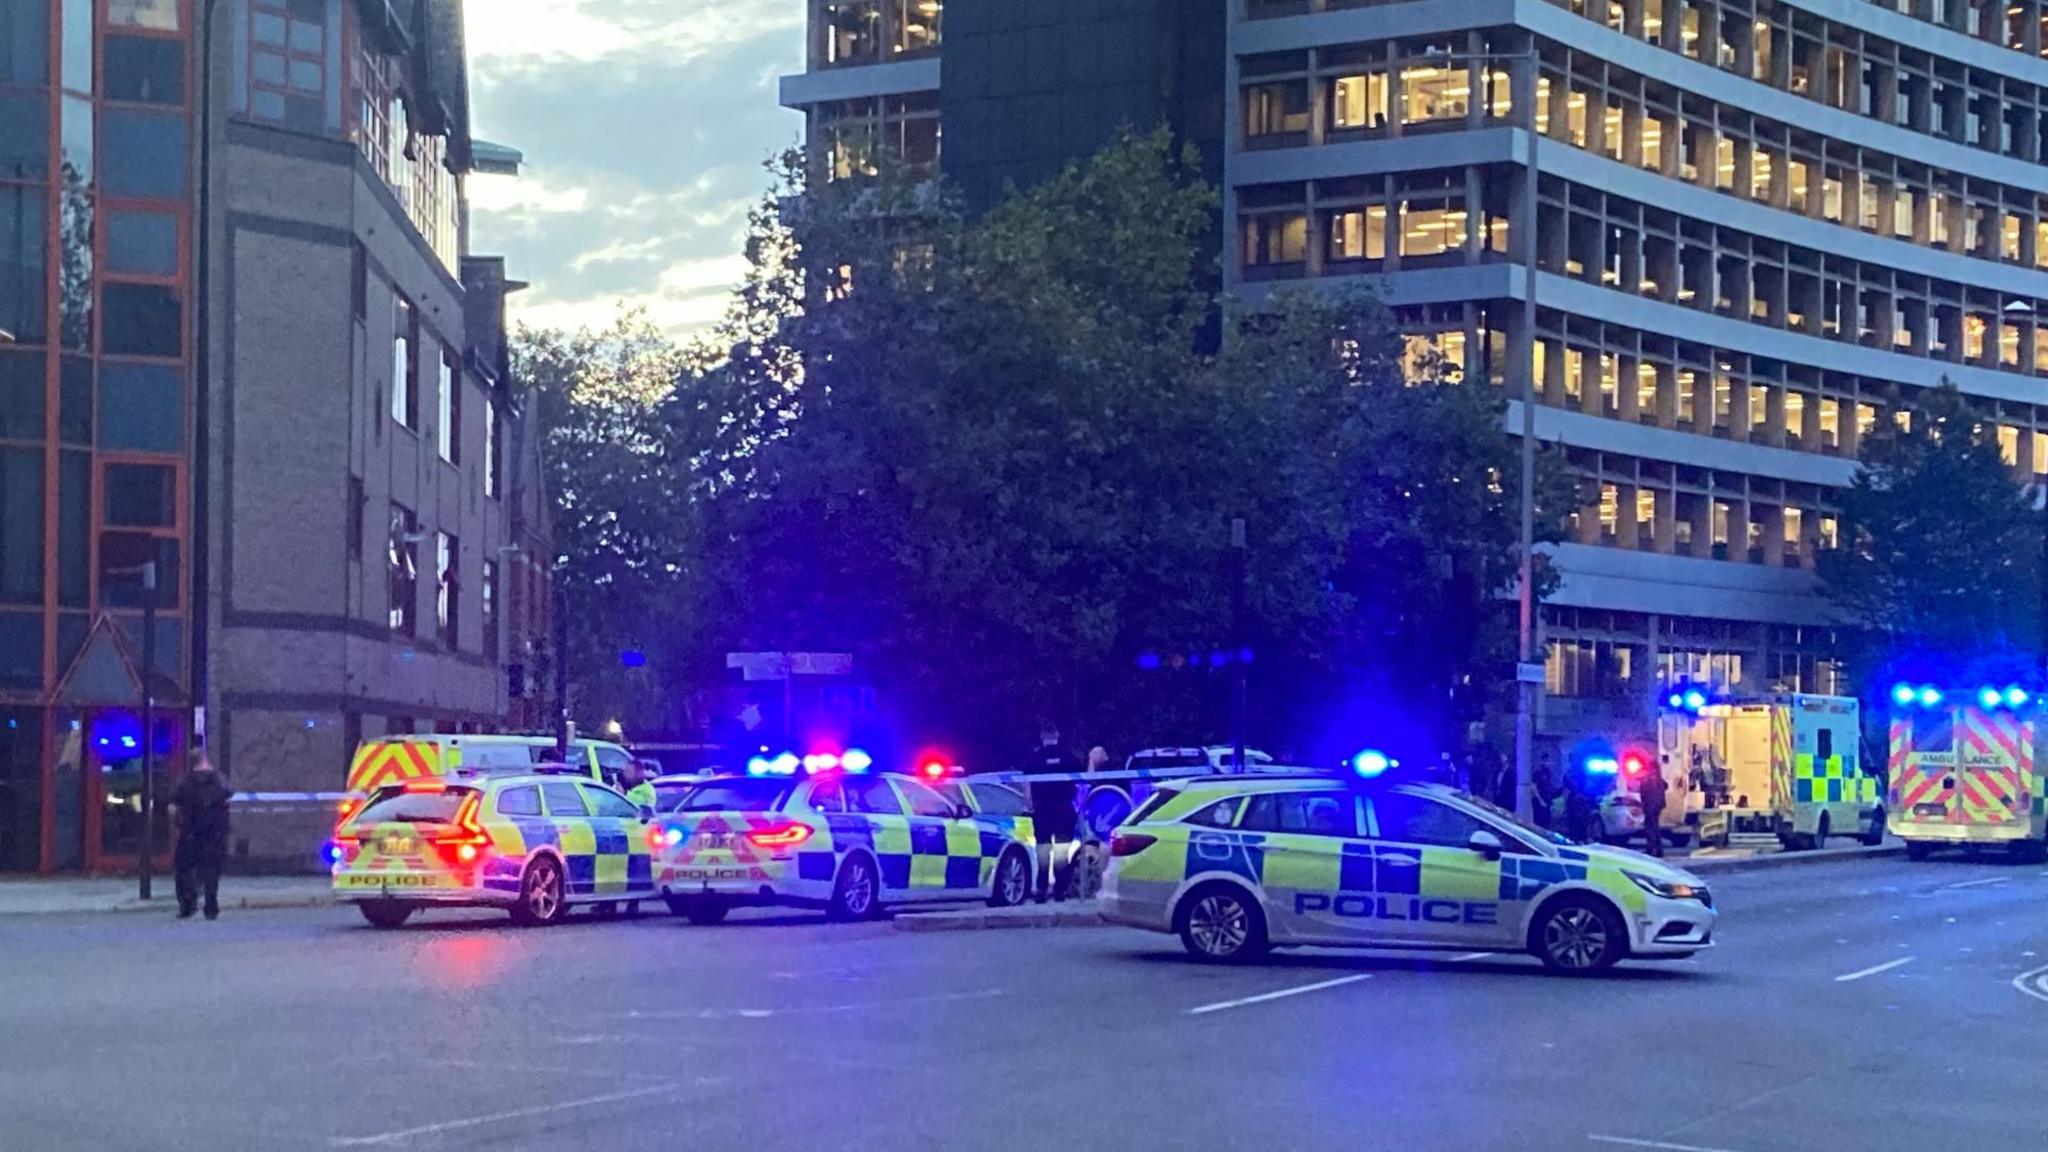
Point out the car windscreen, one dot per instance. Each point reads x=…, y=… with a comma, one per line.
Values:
x=1541, y=835
x=666, y=796
x=397, y=806
x=737, y=796
x=1152, y=804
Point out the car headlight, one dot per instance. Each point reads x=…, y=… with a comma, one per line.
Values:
x=1669, y=889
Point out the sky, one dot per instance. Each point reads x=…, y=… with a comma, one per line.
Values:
x=644, y=124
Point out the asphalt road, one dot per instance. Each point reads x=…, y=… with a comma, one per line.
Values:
x=1875, y=1006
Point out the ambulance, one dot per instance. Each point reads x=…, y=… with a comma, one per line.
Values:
x=399, y=758
x=1783, y=764
x=1966, y=769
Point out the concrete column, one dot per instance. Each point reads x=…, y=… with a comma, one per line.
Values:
x=1773, y=523
x=1664, y=526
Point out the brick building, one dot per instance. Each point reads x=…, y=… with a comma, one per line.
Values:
x=300, y=410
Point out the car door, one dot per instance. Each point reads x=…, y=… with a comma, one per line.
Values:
x=1304, y=839
x=945, y=850
x=622, y=865
x=880, y=814
x=1428, y=886
x=575, y=836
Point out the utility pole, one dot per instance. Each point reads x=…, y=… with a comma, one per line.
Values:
x=143, y=873
x=559, y=623
x=1238, y=704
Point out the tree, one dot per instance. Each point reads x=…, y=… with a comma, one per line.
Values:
x=1942, y=549
x=627, y=537
x=1012, y=469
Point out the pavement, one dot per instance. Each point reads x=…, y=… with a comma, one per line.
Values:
x=51, y=897
x=1866, y=1003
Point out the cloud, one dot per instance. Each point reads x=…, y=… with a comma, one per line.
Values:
x=644, y=124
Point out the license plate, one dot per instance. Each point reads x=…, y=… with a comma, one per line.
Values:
x=719, y=840
x=1930, y=809
x=397, y=845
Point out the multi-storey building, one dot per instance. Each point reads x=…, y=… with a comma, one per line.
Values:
x=1756, y=227
x=242, y=338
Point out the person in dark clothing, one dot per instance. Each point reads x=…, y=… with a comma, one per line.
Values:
x=1653, y=791
x=199, y=813
x=1053, y=818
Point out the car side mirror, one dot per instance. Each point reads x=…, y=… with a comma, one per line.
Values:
x=1486, y=844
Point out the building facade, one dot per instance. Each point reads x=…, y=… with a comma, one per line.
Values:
x=1757, y=226
x=244, y=339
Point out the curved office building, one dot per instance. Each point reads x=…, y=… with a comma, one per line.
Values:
x=1758, y=225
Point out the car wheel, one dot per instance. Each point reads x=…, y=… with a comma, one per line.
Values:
x=858, y=893
x=1578, y=935
x=542, y=895
x=705, y=909
x=1821, y=832
x=1874, y=835
x=1012, y=882
x=1219, y=923
x=385, y=913
x=2030, y=851
x=1918, y=850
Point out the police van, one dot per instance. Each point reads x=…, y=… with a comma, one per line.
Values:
x=1235, y=866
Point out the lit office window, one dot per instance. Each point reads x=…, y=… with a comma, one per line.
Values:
x=1431, y=93
x=1431, y=229
x=1358, y=233
x=1358, y=102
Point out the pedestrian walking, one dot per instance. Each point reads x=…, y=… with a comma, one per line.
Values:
x=1653, y=791
x=1052, y=814
x=199, y=814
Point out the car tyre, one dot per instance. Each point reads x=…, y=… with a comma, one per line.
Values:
x=704, y=909
x=1578, y=935
x=385, y=913
x=1918, y=850
x=1011, y=884
x=543, y=895
x=857, y=894
x=1874, y=835
x=1221, y=924
x=2029, y=851
x=1821, y=832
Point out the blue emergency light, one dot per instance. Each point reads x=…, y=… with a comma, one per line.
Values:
x=1602, y=765
x=1371, y=762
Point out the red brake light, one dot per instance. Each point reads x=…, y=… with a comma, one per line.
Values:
x=348, y=838
x=780, y=836
x=1130, y=843
x=465, y=834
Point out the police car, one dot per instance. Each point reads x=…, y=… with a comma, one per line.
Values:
x=1236, y=866
x=823, y=831
x=535, y=844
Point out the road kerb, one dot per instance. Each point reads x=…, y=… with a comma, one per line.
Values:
x=167, y=904
x=1789, y=859
x=978, y=919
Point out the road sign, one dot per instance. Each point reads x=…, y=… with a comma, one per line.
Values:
x=783, y=665
x=1528, y=673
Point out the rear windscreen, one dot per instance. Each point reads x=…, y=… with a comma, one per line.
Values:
x=401, y=807
x=737, y=796
x=1152, y=804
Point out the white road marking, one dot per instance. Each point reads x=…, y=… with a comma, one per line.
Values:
x=808, y=1010
x=404, y=1134
x=1884, y=967
x=2034, y=983
x=1282, y=994
x=1661, y=1145
x=1975, y=883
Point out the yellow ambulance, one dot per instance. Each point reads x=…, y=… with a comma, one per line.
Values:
x=1966, y=769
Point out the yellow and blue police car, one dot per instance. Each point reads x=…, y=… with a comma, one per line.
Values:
x=1235, y=866
x=534, y=844
x=824, y=831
